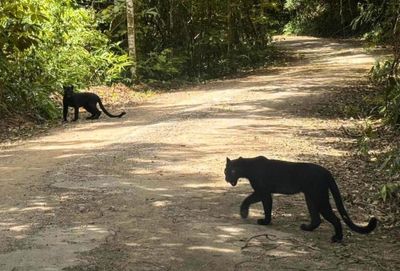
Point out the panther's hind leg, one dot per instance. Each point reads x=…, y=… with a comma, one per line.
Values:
x=97, y=115
x=92, y=109
x=329, y=215
x=314, y=214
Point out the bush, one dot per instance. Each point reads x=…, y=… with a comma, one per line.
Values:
x=47, y=43
x=195, y=39
x=320, y=17
x=161, y=66
x=382, y=75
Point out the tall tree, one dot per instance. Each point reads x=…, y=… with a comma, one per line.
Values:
x=130, y=18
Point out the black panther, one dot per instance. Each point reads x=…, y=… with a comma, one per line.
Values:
x=268, y=177
x=86, y=100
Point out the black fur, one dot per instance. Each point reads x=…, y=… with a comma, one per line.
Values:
x=268, y=177
x=86, y=100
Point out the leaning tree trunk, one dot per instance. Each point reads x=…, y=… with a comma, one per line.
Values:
x=130, y=17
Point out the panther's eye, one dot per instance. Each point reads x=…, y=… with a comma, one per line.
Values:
x=233, y=171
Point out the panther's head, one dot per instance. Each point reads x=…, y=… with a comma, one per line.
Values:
x=68, y=90
x=232, y=172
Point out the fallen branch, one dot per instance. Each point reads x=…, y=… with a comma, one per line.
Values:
x=256, y=236
x=247, y=245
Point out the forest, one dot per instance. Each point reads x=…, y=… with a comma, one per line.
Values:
x=164, y=45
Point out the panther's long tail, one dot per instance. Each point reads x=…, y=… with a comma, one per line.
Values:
x=339, y=204
x=108, y=113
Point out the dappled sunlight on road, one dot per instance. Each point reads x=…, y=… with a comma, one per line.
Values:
x=33, y=208
x=212, y=249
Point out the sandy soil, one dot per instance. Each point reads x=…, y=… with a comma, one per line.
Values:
x=147, y=192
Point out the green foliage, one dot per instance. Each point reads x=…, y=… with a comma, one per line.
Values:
x=161, y=67
x=320, y=17
x=391, y=163
x=364, y=140
x=385, y=27
x=192, y=39
x=383, y=75
x=381, y=18
x=45, y=44
x=19, y=23
x=307, y=16
x=376, y=19
x=390, y=192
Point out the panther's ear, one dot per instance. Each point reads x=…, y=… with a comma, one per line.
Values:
x=228, y=160
x=68, y=88
x=240, y=157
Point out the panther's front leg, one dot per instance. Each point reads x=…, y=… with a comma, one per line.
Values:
x=267, y=204
x=65, y=111
x=76, y=113
x=244, y=207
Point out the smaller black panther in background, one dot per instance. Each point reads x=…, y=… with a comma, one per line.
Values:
x=86, y=100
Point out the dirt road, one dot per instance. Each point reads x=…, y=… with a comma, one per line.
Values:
x=147, y=192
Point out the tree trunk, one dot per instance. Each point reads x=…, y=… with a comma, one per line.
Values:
x=130, y=18
x=230, y=30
